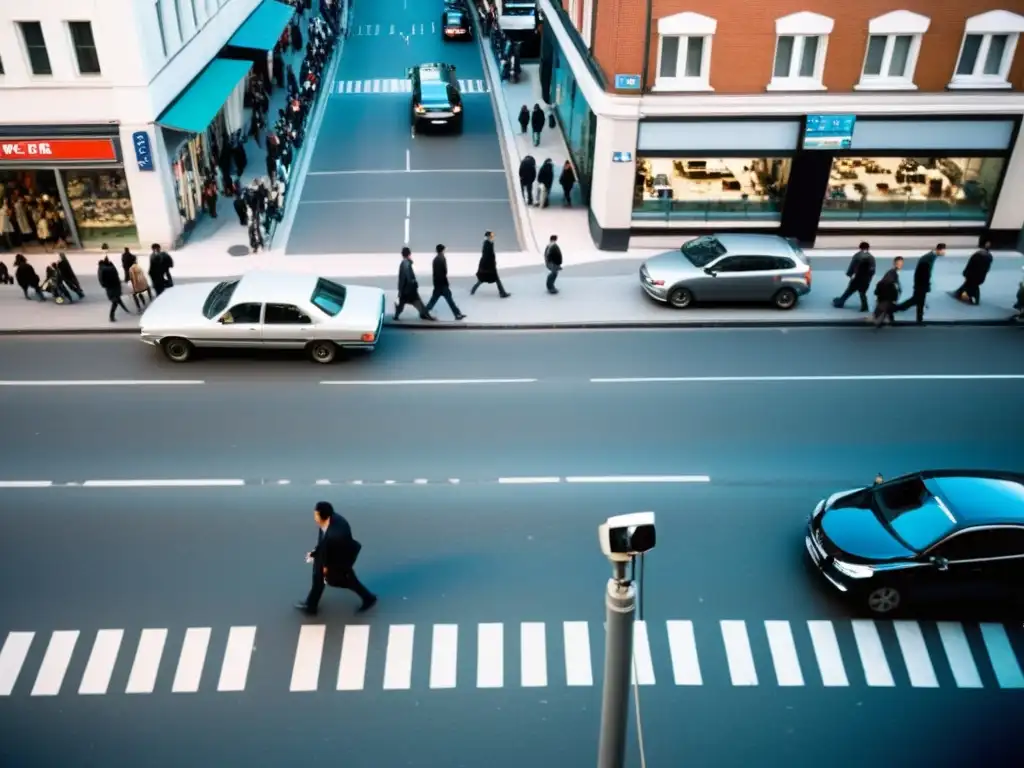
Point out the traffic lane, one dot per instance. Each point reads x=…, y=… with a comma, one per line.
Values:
x=577, y=355
x=362, y=132
x=390, y=53
x=834, y=431
x=475, y=149
x=350, y=226
x=460, y=225
x=397, y=187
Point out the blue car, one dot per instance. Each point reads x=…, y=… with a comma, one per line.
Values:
x=927, y=536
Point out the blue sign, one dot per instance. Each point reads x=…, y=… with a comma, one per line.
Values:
x=627, y=82
x=622, y=157
x=829, y=131
x=143, y=153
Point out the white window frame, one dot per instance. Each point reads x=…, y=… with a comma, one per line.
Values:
x=684, y=26
x=801, y=26
x=986, y=25
x=890, y=26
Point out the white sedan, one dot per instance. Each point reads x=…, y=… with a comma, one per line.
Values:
x=265, y=310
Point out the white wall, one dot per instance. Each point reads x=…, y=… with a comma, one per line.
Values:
x=1009, y=212
x=611, y=189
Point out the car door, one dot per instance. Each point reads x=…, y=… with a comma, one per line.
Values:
x=728, y=280
x=241, y=326
x=1001, y=573
x=764, y=274
x=285, y=326
x=965, y=570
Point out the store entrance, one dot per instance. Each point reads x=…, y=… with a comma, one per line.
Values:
x=33, y=214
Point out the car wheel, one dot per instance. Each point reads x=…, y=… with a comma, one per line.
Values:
x=884, y=599
x=680, y=298
x=785, y=298
x=178, y=350
x=323, y=352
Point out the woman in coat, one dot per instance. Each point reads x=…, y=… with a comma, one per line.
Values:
x=140, y=286
x=567, y=180
x=487, y=269
x=26, y=277
x=68, y=276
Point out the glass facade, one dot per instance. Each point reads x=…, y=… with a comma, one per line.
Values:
x=706, y=188
x=102, y=207
x=578, y=122
x=912, y=188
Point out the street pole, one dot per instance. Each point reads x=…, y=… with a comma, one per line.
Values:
x=620, y=604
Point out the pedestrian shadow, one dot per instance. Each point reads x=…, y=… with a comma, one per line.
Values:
x=431, y=576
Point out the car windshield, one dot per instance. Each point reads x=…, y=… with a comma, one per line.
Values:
x=703, y=250
x=917, y=516
x=219, y=299
x=434, y=93
x=518, y=10
x=328, y=296
x=454, y=18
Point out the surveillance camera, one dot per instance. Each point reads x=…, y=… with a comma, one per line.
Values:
x=624, y=536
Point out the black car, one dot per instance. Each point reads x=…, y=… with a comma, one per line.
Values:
x=455, y=24
x=436, y=99
x=929, y=536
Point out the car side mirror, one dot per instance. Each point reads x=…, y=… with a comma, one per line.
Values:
x=408, y=72
x=940, y=563
x=710, y=271
x=879, y=479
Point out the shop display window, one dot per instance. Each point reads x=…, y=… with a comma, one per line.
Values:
x=909, y=188
x=102, y=207
x=707, y=188
x=28, y=196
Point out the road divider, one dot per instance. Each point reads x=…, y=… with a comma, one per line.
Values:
x=211, y=483
x=426, y=382
x=615, y=479
x=104, y=383
x=767, y=379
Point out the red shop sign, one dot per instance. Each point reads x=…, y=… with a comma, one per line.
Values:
x=36, y=150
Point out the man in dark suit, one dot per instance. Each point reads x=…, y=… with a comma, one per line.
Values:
x=333, y=560
x=442, y=288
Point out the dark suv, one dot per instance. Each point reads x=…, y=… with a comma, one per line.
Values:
x=436, y=99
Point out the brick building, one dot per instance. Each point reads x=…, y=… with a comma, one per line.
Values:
x=826, y=122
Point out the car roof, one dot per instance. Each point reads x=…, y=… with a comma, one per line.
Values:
x=741, y=243
x=989, y=498
x=274, y=288
x=432, y=72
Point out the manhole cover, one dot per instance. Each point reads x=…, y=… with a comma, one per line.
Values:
x=238, y=250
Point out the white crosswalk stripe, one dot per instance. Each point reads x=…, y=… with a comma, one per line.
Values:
x=732, y=652
x=396, y=86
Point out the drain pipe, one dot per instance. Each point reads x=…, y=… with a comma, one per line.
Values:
x=649, y=13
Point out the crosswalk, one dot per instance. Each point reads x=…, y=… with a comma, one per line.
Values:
x=397, y=657
x=404, y=30
x=397, y=85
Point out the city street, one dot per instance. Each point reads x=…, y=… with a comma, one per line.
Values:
x=372, y=186
x=155, y=519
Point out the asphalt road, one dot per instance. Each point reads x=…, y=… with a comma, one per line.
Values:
x=480, y=552
x=372, y=187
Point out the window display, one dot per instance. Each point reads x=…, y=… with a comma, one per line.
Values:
x=907, y=188
x=102, y=207
x=28, y=197
x=710, y=188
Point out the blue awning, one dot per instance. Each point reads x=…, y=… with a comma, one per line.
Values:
x=195, y=108
x=264, y=26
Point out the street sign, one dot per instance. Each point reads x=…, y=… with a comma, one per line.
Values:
x=622, y=157
x=627, y=82
x=143, y=153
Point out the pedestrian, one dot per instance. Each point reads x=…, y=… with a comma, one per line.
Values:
x=409, y=288
x=487, y=269
x=160, y=264
x=5, y=275
x=545, y=178
x=210, y=196
x=537, y=121
x=333, y=560
x=111, y=283
x=241, y=209
x=68, y=276
x=887, y=292
x=552, y=262
x=26, y=277
x=140, y=287
x=127, y=259
x=975, y=273
x=922, y=283
x=527, y=175
x=861, y=272
x=524, y=118
x=567, y=180
x=442, y=288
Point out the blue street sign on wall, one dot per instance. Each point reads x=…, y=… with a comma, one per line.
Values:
x=622, y=157
x=143, y=153
x=627, y=82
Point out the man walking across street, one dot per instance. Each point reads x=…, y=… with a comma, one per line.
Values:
x=887, y=292
x=160, y=264
x=553, y=262
x=922, y=282
x=861, y=271
x=409, y=288
x=974, y=275
x=442, y=288
x=333, y=560
x=110, y=280
x=487, y=269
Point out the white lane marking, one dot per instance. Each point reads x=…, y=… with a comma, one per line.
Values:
x=431, y=170
x=682, y=646
x=408, y=200
x=207, y=483
x=958, y=654
x=55, y=663
x=454, y=480
x=643, y=663
x=96, y=678
x=784, y=656
x=533, y=654
x=639, y=479
x=284, y=482
x=323, y=482
x=753, y=379
x=738, y=653
x=357, y=482
x=1000, y=653
x=189, y=673
x=408, y=207
x=398, y=660
x=420, y=481
x=234, y=670
x=142, y=678
x=101, y=383
x=444, y=655
x=308, y=656
x=579, y=670
x=424, y=382
x=915, y=654
x=528, y=480
x=827, y=654
x=25, y=483
x=490, y=656
x=406, y=231
x=12, y=658
x=872, y=655
x=352, y=667
x=408, y=166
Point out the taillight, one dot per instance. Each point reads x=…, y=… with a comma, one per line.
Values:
x=369, y=337
x=657, y=282
x=807, y=278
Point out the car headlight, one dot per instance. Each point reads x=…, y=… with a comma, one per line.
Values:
x=456, y=109
x=854, y=571
x=419, y=109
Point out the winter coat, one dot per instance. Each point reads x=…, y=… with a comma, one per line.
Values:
x=923, y=273
x=546, y=174
x=109, y=279
x=978, y=266
x=567, y=178
x=537, y=119
x=67, y=274
x=138, y=279
x=861, y=270
x=408, y=286
x=440, y=270
x=553, y=256
x=527, y=171
x=487, y=269
x=524, y=117
x=26, y=276
x=888, y=288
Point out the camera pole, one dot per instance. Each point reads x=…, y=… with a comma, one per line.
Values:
x=620, y=604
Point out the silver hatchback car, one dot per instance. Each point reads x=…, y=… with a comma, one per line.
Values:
x=737, y=268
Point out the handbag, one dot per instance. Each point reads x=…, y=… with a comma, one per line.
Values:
x=551, y=120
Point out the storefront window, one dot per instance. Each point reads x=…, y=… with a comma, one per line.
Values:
x=577, y=120
x=102, y=207
x=908, y=188
x=27, y=197
x=703, y=188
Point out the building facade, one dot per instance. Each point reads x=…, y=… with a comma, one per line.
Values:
x=819, y=121
x=113, y=111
